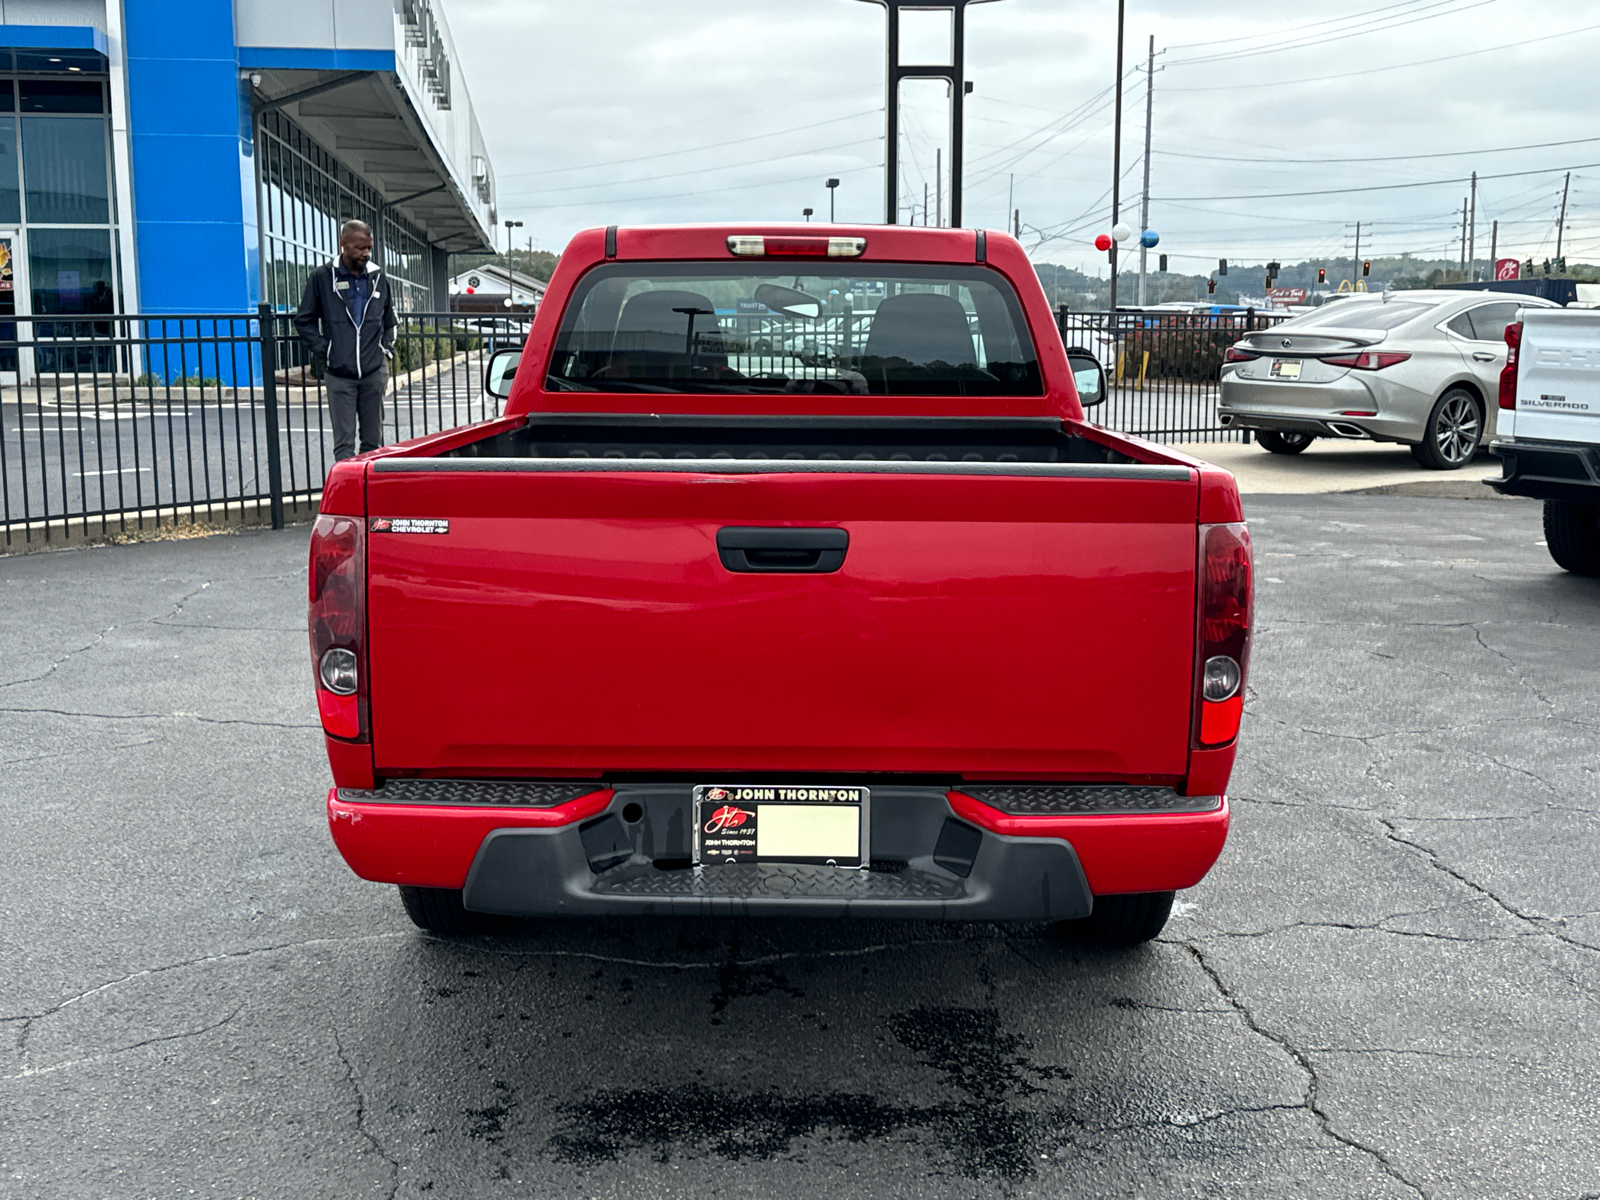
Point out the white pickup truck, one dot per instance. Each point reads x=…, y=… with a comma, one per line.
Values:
x=1548, y=438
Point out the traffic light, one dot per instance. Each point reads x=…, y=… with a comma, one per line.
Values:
x=1322, y=274
x=1222, y=266
x=1274, y=269
x=1366, y=267
x=1268, y=284
x=1547, y=266
x=1211, y=287
x=1527, y=269
x=1561, y=265
x=1163, y=263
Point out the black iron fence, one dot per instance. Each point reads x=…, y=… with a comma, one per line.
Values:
x=114, y=423
x=1162, y=369
x=110, y=422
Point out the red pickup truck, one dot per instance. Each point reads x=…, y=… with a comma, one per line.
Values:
x=791, y=582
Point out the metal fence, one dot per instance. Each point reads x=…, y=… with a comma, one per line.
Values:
x=1162, y=369
x=118, y=422
x=113, y=422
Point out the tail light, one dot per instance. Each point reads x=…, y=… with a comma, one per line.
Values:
x=1223, y=647
x=1367, y=360
x=337, y=619
x=1234, y=354
x=796, y=247
x=1508, y=373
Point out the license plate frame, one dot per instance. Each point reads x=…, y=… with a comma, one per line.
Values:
x=1285, y=368
x=782, y=823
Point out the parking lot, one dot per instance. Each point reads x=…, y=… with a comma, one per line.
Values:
x=1387, y=987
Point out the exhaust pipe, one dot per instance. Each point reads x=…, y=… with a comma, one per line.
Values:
x=1346, y=430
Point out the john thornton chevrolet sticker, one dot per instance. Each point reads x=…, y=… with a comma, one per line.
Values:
x=409, y=525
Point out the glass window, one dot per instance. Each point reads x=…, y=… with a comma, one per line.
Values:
x=64, y=170
x=1489, y=321
x=62, y=96
x=69, y=271
x=1460, y=325
x=787, y=327
x=8, y=97
x=10, y=195
x=1358, y=314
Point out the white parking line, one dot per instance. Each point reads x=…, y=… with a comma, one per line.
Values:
x=108, y=471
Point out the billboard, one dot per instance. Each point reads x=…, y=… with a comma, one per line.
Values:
x=1507, y=268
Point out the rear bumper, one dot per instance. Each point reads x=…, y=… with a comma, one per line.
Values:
x=937, y=855
x=1317, y=409
x=1547, y=470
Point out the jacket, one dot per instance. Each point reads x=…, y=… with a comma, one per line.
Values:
x=329, y=329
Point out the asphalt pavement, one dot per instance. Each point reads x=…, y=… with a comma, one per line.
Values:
x=1386, y=988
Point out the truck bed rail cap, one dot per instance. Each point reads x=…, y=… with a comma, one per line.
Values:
x=723, y=466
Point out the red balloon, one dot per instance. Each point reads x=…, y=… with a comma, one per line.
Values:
x=1103, y=242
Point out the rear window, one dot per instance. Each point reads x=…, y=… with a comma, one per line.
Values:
x=1365, y=314
x=764, y=328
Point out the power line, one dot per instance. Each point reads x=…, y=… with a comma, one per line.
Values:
x=756, y=137
x=738, y=187
x=1250, y=37
x=1381, y=187
x=1405, y=66
x=1374, y=27
x=1367, y=158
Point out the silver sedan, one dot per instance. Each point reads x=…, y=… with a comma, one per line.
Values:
x=1419, y=367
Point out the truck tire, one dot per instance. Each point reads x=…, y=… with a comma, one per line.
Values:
x=1572, y=531
x=1452, y=433
x=439, y=910
x=1279, y=442
x=1124, y=920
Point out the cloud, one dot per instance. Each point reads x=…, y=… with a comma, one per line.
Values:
x=633, y=111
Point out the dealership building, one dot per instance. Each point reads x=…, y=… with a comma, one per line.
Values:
x=198, y=156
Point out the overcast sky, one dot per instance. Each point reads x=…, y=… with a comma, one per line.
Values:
x=633, y=111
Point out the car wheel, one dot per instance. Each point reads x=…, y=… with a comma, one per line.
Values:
x=1124, y=920
x=1451, y=436
x=1283, y=443
x=439, y=910
x=1572, y=531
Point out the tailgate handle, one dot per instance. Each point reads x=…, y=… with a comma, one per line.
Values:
x=817, y=551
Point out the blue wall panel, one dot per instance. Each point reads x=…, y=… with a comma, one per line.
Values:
x=188, y=141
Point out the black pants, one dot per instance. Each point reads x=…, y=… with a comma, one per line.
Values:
x=356, y=400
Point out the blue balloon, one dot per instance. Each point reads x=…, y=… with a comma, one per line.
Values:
x=1149, y=238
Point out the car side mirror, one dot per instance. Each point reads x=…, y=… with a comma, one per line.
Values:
x=1088, y=376
x=501, y=373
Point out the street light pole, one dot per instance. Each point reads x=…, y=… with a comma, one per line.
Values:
x=1116, y=158
x=1144, y=204
x=511, y=289
x=833, y=188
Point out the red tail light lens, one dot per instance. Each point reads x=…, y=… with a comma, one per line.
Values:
x=337, y=620
x=1508, y=373
x=1234, y=354
x=1222, y=656
x=1367, y=360
x=745, y=246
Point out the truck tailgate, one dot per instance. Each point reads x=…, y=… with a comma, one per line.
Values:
x=573, y=622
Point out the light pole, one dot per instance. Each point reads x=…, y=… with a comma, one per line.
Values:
x=511, y=289
x=1116, y=168
x=833, y=188
x=807, y=214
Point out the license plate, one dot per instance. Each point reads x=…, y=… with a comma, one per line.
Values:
x=756, y=823
x=1286, y=368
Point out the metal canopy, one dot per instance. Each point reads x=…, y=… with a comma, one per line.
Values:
x=366, y=121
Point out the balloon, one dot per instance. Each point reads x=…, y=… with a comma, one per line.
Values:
x=1103, y=242
x=1149, y=238
x=1121, y=232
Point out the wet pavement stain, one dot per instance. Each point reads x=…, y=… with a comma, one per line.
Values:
x=986, y=1134
x=736, y=981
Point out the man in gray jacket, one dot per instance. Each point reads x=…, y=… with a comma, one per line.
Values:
x=346, y=318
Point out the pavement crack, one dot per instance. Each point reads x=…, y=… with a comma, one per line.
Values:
x=99, y=716
x=1517, y=670
x=181, y=964
x=51, y=669
x=378, y=1147
x=1312, y=1100
x=1541, y=924
x=28, y=1072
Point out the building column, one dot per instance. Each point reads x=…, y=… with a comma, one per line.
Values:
x=441, y=278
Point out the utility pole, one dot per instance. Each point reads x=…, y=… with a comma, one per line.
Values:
x=1494, y=250
x=924, y=206
x=1016, y=223
x=1472, y=232
x=1463, y=235
x=1144, y=204
x=938, y=188
x=1011, y=192
x=1116, y=160
x=1561, y=221
x=1355, y=263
